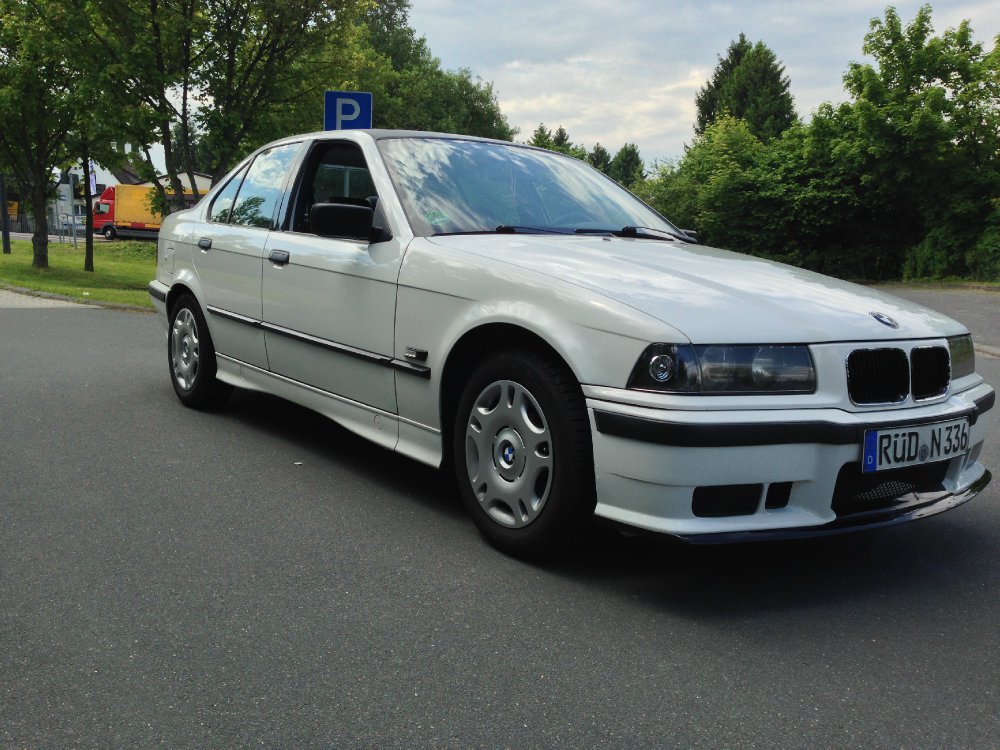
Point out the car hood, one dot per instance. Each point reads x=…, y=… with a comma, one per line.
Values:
x=712, y=295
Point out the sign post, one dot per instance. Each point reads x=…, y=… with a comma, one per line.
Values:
x=347, y=110
x=4, y=218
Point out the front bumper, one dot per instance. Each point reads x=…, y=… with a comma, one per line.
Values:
x=792, y=471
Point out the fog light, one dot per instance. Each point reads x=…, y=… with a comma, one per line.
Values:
x=661, y=368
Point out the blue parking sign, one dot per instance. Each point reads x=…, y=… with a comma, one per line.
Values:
x=347, y=110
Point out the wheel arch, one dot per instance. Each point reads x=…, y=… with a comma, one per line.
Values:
x=470, y=350
x=176, y=291
x=186, y=282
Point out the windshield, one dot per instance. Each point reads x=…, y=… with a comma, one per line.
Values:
x=451, y=186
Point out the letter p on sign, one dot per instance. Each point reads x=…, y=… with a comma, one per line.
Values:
x=347, y=110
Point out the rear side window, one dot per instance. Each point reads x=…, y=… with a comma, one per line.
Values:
x=225, y=198
x=258, y=196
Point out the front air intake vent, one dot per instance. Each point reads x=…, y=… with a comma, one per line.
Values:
x=930, y=372
x=857, y=492
x=726, y=500
x=878, y=376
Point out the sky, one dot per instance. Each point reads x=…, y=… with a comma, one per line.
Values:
x=618, y=71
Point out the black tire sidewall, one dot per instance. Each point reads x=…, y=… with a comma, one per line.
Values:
x=206, y=390
x=564, y=520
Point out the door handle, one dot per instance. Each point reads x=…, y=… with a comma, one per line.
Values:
x=279, y=257
x=205, y=243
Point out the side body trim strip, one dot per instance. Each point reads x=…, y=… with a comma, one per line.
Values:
x=234, y=317
x=398, y=365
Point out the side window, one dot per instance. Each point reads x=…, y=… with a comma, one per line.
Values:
x=258, y=197
x=336, y=172
x=223, y=201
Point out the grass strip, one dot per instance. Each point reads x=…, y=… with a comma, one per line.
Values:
x=122, y=270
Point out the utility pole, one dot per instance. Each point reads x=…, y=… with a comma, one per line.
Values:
x=4, y=217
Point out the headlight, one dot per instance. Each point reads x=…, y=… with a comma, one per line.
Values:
x=725, y=369
x=963, y=356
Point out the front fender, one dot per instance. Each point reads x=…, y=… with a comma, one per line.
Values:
x=445, y=295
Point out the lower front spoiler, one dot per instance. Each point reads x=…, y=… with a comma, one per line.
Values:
x=907, y=508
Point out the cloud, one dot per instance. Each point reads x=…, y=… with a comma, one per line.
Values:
x=628, y=71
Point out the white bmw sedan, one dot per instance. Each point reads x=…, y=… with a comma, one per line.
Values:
x=514, y=315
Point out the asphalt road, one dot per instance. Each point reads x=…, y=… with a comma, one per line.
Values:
x=260, y=577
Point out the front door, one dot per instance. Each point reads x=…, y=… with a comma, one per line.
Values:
x=329, y=304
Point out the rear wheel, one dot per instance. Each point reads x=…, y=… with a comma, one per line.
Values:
x=523, y=455
x=191, y=357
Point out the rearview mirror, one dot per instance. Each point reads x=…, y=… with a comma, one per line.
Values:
x=346, y=220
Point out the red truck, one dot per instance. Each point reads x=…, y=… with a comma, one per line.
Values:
x=124, y=211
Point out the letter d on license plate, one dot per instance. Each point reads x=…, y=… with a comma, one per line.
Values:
x=896, y=447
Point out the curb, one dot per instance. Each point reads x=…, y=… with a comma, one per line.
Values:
x=121, y=307
x=975, y=286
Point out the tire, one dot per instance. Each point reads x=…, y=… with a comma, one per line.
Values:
x=523, y=455
x=191, y=357
x=109, y=232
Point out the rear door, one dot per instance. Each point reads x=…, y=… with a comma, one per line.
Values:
x=230, y=249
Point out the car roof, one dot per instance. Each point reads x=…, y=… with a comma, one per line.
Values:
x=379, y=134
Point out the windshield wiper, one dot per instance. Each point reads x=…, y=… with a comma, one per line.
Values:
x=507, y=229
x=642, y=233
x=514, y=229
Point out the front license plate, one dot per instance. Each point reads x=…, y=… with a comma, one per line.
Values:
x=906, y=446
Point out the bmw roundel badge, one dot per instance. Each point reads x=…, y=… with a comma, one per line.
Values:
x=884, y=319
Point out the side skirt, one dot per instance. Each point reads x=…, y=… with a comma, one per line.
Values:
x=405, y=436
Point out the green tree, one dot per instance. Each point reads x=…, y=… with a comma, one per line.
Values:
x=627, y=166
x=409, y=87
x=36, y=85
x=96, y=134
x=247, y=66
x=700, y=192
x=901, y=180
x=983, y=259
x=138, y=54
x=600, y=158
x=202, y=72
x=390, y=34
x=561, y=141
x=800, y=199
x=447, y=101
x=927, y=115
x=541, y=137
x=748, y=83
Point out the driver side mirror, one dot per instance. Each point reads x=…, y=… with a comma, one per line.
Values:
x=346, y=220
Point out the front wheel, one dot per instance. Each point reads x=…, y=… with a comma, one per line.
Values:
x=191, y=357
x=109, y=232
x=523, y=455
